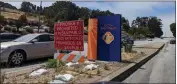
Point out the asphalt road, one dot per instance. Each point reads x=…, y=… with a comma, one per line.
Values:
x=37, y=62
x=160, y=69
x=27, y=65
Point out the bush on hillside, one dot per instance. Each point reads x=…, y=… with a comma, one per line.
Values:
x=30, y=30
x=14, y=30
x=7, y=28
x=23, y=32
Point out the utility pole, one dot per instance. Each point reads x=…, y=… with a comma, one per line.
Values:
x=0, y=9
x=39, y=15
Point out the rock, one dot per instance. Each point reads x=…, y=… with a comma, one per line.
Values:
x=91, y=67
x=92, y=72
x=71, y=64
x=89, y=62
x=65, y=77
x=71, y=72
x=56, y=82
x=38, y=72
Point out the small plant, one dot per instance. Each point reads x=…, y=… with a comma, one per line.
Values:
x=46, y=80
x=2, y=78
x=26, y=76
x=53, y=77
x=14, y=80
x=89, y=75
x=73, y=82
x=142, y=53
x=81, y=71
x=98, y=72
x=54, y=63
x=106, y=67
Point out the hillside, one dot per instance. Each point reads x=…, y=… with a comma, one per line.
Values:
x=15, y=14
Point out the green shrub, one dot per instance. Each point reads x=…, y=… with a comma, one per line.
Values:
x=46, y=30
x=30, y=30
x=14, y=30
x=23, y=32
x=52, y=63
x=7, y=28
x=106, y=67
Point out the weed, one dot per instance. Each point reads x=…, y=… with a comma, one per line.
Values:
x=2, y=78
x=53, y=63
x=73, y=82
x=81, y=71
x=26, y=76
x=98, y=72
x=46, y=80
x=106, y=67
x=89, y=75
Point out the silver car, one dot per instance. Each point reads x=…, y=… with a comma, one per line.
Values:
x=30, y=46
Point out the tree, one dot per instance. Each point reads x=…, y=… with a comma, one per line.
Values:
x=7, y=5
x=21, y=20
x=18, y=24
x=173, y=29
x=146, y=25
x=154, y=25
x=50, y=23
x=2, y=19
x=125, y=24
x=30, y=8
x=65, y=10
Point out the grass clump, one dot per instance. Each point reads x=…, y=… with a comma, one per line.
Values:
x=106, y=67
x=54, y=63
x=98, y=72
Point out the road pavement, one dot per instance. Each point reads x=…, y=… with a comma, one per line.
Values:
x=160, y=69
x=153, y=40
x=37, y=62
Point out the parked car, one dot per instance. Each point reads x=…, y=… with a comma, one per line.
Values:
x=30, y=46
x=173, y=41
x=8, y=36
x=149, y=39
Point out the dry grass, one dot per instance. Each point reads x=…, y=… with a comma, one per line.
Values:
x=80, y=75
x=98, y=72
x=106, y=67
x=3, y=76
x=15, y=14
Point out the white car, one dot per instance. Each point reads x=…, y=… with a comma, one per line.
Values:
x=30, y=46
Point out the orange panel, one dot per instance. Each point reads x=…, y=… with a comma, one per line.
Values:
x=92, y=39
x=81, y=59
x=61, y=56
x=70, y=58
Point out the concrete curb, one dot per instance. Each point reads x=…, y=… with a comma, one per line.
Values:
x=122, y=74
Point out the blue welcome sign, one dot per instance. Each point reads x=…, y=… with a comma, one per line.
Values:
x=109, y=38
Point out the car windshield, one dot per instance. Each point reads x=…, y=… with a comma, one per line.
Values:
x=26, y=38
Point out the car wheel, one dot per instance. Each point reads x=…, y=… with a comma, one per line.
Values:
x=16, y=58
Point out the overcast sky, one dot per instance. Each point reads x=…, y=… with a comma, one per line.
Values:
x=130, y=10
